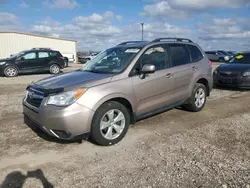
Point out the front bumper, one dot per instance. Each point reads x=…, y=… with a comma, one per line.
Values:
x=239, y=81
x=64, y=123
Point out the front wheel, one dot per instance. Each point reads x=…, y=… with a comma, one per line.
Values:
x=198, y=99
x=110, y=123
x=10, y=71
x=54, y=69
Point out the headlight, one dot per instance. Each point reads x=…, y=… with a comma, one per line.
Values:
x=65, y=98
x=2, y=63
x=246, y=74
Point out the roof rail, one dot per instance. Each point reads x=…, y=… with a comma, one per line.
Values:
x=131, y=42
x=174, y=39
x=41, y=48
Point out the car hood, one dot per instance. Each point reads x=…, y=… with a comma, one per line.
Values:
x=234, y=67
x=73, y=80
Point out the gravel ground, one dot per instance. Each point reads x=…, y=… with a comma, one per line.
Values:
x=173, y=149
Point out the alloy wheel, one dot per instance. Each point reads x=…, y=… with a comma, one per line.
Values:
x=112, y=124
x=199, y=97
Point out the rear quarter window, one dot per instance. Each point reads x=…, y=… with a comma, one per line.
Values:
x=195, y=53
x=55, y=54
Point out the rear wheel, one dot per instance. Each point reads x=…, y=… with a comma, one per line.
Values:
x=54, y=69
x=110, y=123
x=66, y=62
x=198, y=99
x=10, y=71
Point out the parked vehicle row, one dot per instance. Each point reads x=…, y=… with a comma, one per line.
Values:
x=121, y=85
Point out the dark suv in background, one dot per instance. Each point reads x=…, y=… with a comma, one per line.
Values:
x=31, y=61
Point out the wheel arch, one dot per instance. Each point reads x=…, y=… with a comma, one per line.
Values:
x=121, y=98
x=205, y=82
x=54, y=62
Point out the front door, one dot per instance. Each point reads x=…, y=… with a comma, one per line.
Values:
x=27, y=62
x=155, y=90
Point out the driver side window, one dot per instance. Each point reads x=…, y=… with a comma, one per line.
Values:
x=156, y=55
x=28, y=56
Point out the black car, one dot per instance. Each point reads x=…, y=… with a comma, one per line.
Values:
x=236, y=73
x=35, y=60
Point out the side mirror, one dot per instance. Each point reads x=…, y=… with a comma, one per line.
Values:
x=22, y=58
x=148, y=69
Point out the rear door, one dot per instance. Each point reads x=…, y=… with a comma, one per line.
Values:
x=27, y=62
x=183, y=70
x=43, y=59
x=155, y=90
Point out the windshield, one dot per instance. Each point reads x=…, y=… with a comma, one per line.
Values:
x=111, y=61
x=240, y=59
x=18, y=54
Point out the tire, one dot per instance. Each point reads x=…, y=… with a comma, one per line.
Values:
x=100, y=135
x=193, y=104
x=66, y=62
x=54, y=69
x=221, y=59
x=11, y=71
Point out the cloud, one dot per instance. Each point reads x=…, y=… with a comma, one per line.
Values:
x=9, y=22
x=225, y=33
x=89, y=30
x=161, y=10
x=61, y=4
x=8, y=18
x=225, y=28
x=182, y=8
x=207, y=4
x=24, y=5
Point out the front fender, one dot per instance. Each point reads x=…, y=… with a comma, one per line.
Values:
x=110, y=97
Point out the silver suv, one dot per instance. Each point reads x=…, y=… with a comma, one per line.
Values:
x=121, y=85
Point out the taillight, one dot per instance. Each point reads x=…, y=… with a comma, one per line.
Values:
x=210, y=62
x=61, y=57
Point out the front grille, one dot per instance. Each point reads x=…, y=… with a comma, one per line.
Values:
x=35, y=97
x=229, y=74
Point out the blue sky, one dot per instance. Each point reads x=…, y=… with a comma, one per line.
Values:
x=99, y=24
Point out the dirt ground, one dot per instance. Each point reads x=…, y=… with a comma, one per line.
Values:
x=173, y=149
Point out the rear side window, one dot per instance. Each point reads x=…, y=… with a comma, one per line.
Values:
x=179, y=54
x=43, y=55
x=196, y=54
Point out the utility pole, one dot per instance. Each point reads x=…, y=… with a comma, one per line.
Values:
x=142, y=27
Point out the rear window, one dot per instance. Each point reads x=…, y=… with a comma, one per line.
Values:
x=196, y=54
x=241, y=59
x=179, y=54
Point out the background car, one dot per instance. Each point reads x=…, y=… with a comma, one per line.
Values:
x=31, y=61
x=216, y=56
x=236, y=73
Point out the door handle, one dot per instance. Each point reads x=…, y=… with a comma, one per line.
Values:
x=194, y=68
x=169, y=75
